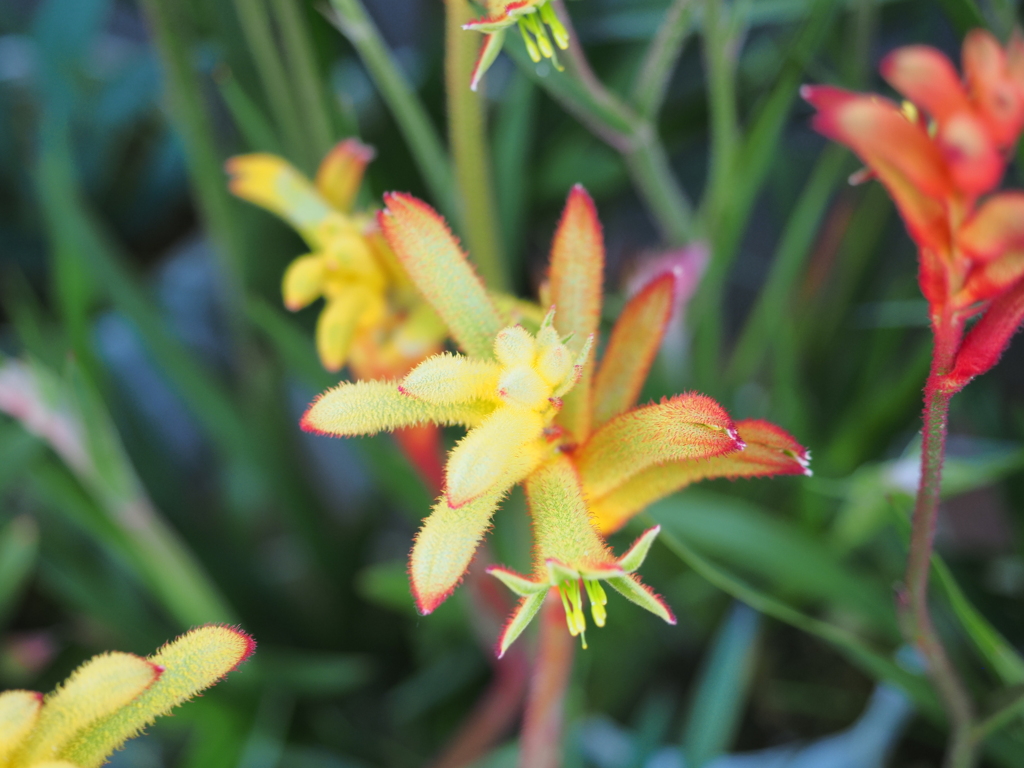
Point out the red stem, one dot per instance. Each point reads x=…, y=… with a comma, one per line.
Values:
x=961, y=752
x=540, y=745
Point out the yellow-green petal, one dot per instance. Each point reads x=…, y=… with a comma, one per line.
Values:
x=19, y=711
x=521, y=618
x=369, y=407
x=447, y=379
x=95, y=690
x=191, y=664
x=303, y=281
x=337, y=325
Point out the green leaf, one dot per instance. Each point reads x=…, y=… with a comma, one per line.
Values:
x=19, y=548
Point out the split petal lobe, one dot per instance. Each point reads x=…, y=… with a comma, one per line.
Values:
x=444, y=548
x=19, y=711
x=926, y=77
x=369, y=407
x=630, y=587
x=769, y=451
x=191, y=664
x=97, y=689
x=562, y=528
x=272, y=183
x=576, y=277
x=430, y=253
x=341, y=172
x=337, y=325
x=633, y=345
x=521, y=585
x=489, y=51
x=637, y=553
x=989, y=338
x=997, y=227
x=520, y=619
x=495, y=455
x=447, y=379
x=689, y=426
x=991, y=84
x=303, y=281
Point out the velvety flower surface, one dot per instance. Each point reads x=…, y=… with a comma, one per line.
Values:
x=535, y=412
x=112, y=698
x=941, y=154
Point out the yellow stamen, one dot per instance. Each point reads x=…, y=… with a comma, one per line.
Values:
x=558, y=30
x=598, y=601
x=540, y=33
x=531, y=46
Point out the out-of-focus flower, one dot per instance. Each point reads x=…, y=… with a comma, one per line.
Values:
x=937, y=154
x=372, y=319
x=111, y=698
x=536, y=414
x=534, y=18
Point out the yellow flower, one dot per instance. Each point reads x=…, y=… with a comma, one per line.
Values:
x=111, y=698
x=589, y=458
x=373, y=318
x=534, y=18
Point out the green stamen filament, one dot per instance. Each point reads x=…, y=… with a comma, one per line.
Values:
x=598, y=601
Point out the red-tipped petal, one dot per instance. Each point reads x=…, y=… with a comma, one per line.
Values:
x=996, y=227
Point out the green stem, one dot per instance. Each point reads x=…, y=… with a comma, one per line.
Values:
x=428, y=152
x=470, y=153
x=259, y=37
x=309, y=89
x=540, y=745
x=961, y=750
x=1000, y=718
x=652, y=80
x=649, y=167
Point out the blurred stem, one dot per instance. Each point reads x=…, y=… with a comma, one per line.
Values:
x=190, y=119
x=1002, y=717
x=662, y=54
x=961, y=750
x=540, y=745
x=259, y=38
x=427, y=150
x=309, y=89
x=470, y=152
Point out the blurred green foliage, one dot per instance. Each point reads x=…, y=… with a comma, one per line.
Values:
x=147, y=300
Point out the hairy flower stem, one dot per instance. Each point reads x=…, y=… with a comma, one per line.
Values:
x=540, y=745
x=961, y=751
x=467, y=135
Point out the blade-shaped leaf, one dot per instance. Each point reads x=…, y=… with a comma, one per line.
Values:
x=769, y=451
x=368, y=407
x=689, y=426
x=435, y=262
x=444, y=548
x=632, y=348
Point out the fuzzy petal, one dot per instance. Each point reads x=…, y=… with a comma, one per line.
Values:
x=191, y=663
x=576, y=278
x=769, y=451
x=519, y=584
x=495, y=455
x=447, y=379
x=303, y=281
x=634, y=558
x=271, y=182
x=19, y=711
x=992, y=87
x=368, y=407
x=520, y=619
x=97, y=689
x=430, y=253
x=630, y=587
x=926, y=77
x=901, y=153
x=444, y=548
x=341, y=172
x=337, y=325
x=633, y=345
x=986, y=281
x=689, y=426
x=996, y=227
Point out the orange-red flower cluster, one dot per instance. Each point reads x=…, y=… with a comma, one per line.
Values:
x=938, y=154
